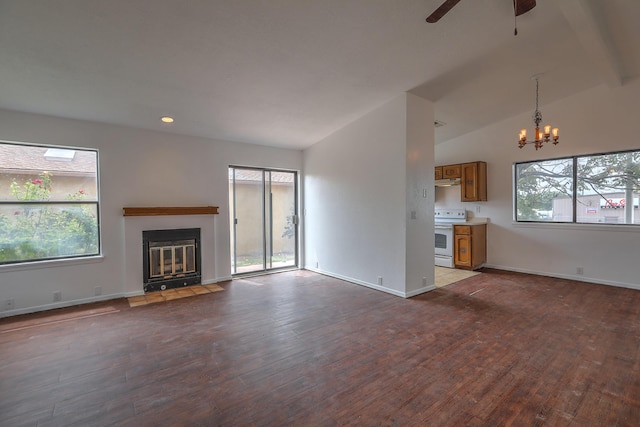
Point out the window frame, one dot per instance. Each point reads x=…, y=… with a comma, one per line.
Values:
x=95, y=204
x=574, y=196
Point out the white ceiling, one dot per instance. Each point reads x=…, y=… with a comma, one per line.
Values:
x=290, y=72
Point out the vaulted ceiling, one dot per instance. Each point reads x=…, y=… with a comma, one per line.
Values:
x=290, y=72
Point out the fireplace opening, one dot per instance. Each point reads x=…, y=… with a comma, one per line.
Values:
x=171, y=258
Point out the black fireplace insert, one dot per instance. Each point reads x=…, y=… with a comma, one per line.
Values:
x=171, y=258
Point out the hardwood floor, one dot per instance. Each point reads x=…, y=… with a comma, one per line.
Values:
x=302, y=349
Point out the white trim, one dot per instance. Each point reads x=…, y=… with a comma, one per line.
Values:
x=81, y=301
x=61, y=304
x=61, y=262
x=626, y=228
x=373, y=286
x=420, y=291
x=358, y=282
x=567, y=276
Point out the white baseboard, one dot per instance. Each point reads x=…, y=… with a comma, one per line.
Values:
x=60, y=304
x=372, y=285
x=420, y=291
x=575, y=277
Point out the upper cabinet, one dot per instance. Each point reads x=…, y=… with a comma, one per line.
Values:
x=473, y=179
x=448, y=172
x=451, y=171
x=473, y=182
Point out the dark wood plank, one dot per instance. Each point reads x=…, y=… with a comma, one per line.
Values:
x=298, y=348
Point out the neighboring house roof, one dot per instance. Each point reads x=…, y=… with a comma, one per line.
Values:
x=29, y=159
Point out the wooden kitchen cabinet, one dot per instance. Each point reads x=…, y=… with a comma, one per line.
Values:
x=473, y=182
x=451, y=171
x=469, y=246
x=473, y=179
x=448, y=172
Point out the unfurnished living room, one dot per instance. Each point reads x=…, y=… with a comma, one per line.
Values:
x=316, y=213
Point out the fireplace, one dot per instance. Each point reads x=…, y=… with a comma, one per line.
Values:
x=171, y=258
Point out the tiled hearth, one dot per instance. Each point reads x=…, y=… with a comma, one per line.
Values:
x=171, y=294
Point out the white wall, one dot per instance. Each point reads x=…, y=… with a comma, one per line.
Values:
x=360, y=185
x=598, y=120
x=137, y=168
x=419, y=196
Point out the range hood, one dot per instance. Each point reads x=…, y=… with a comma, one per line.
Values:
x=447, y=182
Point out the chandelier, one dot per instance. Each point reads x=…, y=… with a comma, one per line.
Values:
x=541, y=136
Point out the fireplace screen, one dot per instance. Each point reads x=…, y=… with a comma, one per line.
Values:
x=171, y=258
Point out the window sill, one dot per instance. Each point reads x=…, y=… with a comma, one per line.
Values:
x=34, y=265
x=625, y=228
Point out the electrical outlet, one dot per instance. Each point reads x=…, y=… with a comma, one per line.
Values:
x=424, y=281
x=477, y=208
x=379, y=280
x=97, y=290
x=9, y=304
x=580, y=270
x=57, y=296
x=317, y=263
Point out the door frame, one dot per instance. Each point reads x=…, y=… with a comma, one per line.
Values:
x=267, y=246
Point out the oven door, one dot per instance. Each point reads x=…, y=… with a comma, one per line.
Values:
x=444, y=240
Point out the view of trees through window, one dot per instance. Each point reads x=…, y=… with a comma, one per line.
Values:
x=601, y=188
x=48, y=203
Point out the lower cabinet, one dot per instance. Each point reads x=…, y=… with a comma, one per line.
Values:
x=469, y=246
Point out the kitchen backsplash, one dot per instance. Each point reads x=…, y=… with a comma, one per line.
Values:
x=449, y=197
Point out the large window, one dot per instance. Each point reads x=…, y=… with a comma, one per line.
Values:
x=48, y=203
x=600, y=189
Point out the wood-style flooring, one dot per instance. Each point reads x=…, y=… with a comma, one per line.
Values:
x=302, y=349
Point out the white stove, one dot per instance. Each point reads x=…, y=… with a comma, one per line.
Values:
x=443, y=216
x=444, y=219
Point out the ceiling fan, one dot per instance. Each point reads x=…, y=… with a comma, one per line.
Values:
x=519, y=7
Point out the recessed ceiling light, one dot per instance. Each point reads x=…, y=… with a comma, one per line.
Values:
x=166, y=119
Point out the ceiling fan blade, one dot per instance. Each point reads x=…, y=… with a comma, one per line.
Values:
x=442, y=10
x=523, y=6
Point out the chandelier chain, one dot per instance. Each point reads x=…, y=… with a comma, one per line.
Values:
x=537, y=115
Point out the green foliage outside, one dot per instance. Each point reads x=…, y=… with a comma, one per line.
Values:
x=539, y=183
x=46, y=230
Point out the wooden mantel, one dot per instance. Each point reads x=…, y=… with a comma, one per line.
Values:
x=171, y=210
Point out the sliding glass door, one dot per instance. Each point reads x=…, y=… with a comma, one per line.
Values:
x=264, y=219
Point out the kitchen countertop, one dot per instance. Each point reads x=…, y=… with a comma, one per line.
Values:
x=474, y=221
